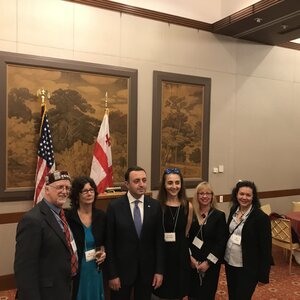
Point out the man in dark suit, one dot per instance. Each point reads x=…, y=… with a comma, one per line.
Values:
x=135, y=243
x=43, y=256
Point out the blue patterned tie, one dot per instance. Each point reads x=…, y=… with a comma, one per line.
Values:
x=137, y=217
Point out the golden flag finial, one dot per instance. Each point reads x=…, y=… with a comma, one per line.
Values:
x=43, y=94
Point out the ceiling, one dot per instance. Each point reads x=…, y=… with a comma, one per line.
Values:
x=272, y=22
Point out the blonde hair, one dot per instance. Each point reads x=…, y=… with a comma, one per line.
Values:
x=196, y=206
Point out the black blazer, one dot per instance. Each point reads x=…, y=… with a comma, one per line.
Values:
x=214, y=236
x=256, y=244
x=98, y=230
x=42, y=260
x=127, y=255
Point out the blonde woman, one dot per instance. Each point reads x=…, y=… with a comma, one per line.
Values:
x=207, y=239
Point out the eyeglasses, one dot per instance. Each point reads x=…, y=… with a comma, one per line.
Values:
x=204, y=194
x=61, y=187
x=85, y=192
x=172, y=171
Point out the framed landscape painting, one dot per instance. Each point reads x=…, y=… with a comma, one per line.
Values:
x=76, y=107
x=180, y=126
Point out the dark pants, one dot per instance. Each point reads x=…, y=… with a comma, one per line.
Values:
x=240, y=284
x=140, y=291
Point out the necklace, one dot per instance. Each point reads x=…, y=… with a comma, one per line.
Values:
x=176, y=213
x=239, y=216
x=204, y=213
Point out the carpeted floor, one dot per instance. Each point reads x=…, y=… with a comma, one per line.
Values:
x=282, y=286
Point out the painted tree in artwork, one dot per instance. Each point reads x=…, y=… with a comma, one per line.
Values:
x=71, y=119
x=174, y=129
x=74, y=129
x=181, y=128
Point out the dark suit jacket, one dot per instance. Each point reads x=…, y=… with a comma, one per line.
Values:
x=98, y=230
x=256, y=244
x=214, y=235
x=42, y=259
x=127, y=255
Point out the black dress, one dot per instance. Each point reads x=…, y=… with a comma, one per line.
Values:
x=177, y=263
x=213, y=234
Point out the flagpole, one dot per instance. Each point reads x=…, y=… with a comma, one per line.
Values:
x=106, y=104
x=101, y=168
x=43, y=94
x=45, y=159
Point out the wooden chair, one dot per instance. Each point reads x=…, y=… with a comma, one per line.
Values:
x=282, y=237
x=266, y=209
x=295, y=206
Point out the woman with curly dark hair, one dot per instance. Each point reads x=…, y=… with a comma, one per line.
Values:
x=88, y=227
x=248, y=254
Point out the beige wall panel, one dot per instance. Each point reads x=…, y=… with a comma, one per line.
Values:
x=266, y=61
x=46, y=23
x=8, y=46
x=143, y=39
x=96, y=30
x=267, y=129
x=8, y=22
x=38, y=50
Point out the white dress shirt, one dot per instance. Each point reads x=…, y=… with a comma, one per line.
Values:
x=141, y=204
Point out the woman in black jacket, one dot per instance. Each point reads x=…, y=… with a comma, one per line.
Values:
x=207, y=238
x=248, y=254
x=88, y=227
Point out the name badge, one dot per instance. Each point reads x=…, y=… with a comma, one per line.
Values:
x=197, y=242
x=73, y=245
x=236, y=239
x=212, y=258
x=90, y=255
x=170, y=237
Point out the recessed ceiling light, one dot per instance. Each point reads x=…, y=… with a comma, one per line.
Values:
x=296, y=41
x=258, y=20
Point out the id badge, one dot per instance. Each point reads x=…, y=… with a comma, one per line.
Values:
x=212, y=258
x=236, y=239
x=197, y=242
x=73, y=245
x=170, y=237
x=90, y=255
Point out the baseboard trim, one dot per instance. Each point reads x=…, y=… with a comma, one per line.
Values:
x=7, y=282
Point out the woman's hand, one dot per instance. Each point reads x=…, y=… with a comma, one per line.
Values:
x=100, y=255
x=203, y=267
x=194, y=263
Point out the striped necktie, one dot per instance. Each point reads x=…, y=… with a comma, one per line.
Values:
x=74, y=262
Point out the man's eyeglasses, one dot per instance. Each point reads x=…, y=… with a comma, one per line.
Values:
x=61, y=187
x=85, y=192
x=204, y=194
x=172, y=171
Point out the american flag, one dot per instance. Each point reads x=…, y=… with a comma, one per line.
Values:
x=45, y=161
